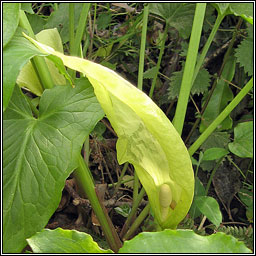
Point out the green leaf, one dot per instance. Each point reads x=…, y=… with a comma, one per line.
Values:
x=36, y=21
x=27, y=7
x=150, y=73
x=200, y=85
x=183, y=241
x=177, y=15
x=103, y=20
x=220, y=98
x=210, y=208
x=10, y=21
x=243, y=140
x=216, y=140
x=199, y=191
x=60, y=19
x=39, y=154
x=222, y=8
x=124, y=210
x=214, y=154
x=146, y=139
x=104, y=51
x=15, y=55
x=28, y=77
x=240, y=9
x=246, y=197
x=245, y=10
x=64, y=241
x=244, y=52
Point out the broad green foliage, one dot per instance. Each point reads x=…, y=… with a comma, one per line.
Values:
x=167, y=241
x=243, y=140
x=64, y=241
x=210, y=208
x=177, y=15
x=28, y=77
x=39, y=154
x=146, y=137
x=183, y=241
x=200, y=85
x=220, y=98
x=15, y=55
x=244, y=52
x=10, y=21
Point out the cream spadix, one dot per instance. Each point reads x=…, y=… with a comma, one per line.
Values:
x=146, y=139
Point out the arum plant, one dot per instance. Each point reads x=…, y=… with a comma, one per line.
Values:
x=144, y=138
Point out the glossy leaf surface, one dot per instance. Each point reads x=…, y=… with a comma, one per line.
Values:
x=64, y=241
x=183, y=241
x=39, y=154
x=146, y=138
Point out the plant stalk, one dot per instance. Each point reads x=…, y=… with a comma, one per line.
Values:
x=38, y=62
x=137, y=222
x=142, y=46
x=212, y=174
x=120, y=178
x=133, y=211
x=193, y=148
x=71, y=11
x=159, y=61
x=186, y=83
x=227, y=54
x=83, y=177
x=81, y=27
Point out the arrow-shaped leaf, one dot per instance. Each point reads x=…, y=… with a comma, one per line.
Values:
x=39, y=154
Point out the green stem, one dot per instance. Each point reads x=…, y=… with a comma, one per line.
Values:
x=71, y=28
x=142, y=46
x=220, y=117
x=133, y=211
x=212, y=174
x=135, y=186
x=159, y=61
x=207, y=46
x=137, y=222
x=122, y=182
x=231, y=161
x=189, y=67
x=120, y=178
x=83, y=177
x=71, y=36
x=81, y=27
x=38, y=62
x=227, y=54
